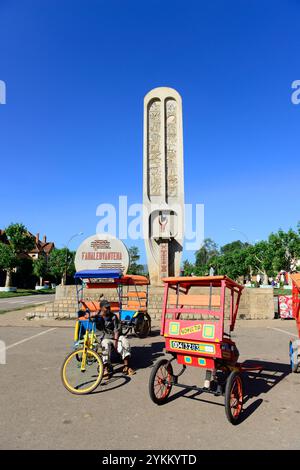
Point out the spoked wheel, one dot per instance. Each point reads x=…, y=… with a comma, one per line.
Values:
x=294, y=361
x=234, y=397
x=142, y=325
x=160, y=382
x=82, y=371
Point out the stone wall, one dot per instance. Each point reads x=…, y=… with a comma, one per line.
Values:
x=254, y=304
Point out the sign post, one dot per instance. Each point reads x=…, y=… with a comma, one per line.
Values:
x=102, y=251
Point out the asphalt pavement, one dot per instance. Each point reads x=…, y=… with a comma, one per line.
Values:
x=37, y=412
x=12, y=303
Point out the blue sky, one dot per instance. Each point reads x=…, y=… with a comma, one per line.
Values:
x=71, y=131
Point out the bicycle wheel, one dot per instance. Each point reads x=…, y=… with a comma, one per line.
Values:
x=295, y=365
x=142, y=325
x=234, y=397
x=160, y=382
x=82, y=371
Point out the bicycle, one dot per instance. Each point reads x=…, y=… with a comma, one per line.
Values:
x=82, y=370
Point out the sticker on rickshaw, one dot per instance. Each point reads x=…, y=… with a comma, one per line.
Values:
x=190, y=329
x=190, y=346
x=208, y=330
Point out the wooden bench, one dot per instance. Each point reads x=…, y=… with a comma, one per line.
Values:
x=136, y=301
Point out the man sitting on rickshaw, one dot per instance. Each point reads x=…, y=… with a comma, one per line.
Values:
x=108, y=323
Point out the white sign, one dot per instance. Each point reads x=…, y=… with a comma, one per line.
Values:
x=102, y=251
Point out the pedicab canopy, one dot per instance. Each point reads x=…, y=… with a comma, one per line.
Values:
x=113, y=279
x=192, y=316
x=109, y=278
x=189, y=281
x=99, y=274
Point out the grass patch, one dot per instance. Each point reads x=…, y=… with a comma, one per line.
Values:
x=23, y=292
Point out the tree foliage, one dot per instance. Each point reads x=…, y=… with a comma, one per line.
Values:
x=232, y=247
x=8, y=259
x=208, y=250
x=134, y=257
x=281, y=251
x=40, y=268
x=19, y=238
x=61, y=263
x=19, y=241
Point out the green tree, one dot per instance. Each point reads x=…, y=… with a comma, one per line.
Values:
x=61, y=263
x=208, y=250
x=20, y=241
x=260, y=258
x=8, y=261
x=40, y=268
x=19, y=238
x=188, y=268
x=233, y=246
x=236, y=259
x=285, y=247
x=134, y=257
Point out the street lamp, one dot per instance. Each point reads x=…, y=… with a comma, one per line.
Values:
x=66, y=260
x=73, y=236
x=236, y=230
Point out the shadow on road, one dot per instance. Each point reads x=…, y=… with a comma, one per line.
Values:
x=256, y=383
x=145, y=356
x=116, y=381
x=142, y=357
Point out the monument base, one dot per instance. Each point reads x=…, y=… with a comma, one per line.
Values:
x=255, y=304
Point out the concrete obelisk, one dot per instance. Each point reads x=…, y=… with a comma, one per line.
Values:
x=163, y=185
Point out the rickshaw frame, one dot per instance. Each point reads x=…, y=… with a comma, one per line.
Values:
x=294, y=346
x=202, y=342
x=114, y=279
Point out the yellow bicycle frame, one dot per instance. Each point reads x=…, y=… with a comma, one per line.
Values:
x=89, y=342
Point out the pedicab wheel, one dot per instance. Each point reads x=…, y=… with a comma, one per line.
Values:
x=142, y=325
x=82, y=371
x=126, y=329
x=234, y=397
x=90, y=359
x=295, y=365
x=160, y=382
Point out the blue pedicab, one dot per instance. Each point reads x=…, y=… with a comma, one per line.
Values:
x=131, y=294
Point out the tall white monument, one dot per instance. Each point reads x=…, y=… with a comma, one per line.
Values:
x=163, y=187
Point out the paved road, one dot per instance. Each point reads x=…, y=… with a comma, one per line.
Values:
x=17, y=302
x=38, y=413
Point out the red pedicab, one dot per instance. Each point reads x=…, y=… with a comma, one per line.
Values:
x=295, y=344
x=200, y=341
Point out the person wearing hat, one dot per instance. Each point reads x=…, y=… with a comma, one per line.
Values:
x=109, y=324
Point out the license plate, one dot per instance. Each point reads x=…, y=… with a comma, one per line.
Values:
x=193, y=347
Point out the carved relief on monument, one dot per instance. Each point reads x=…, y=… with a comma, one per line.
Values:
x=154, y=149
x=171, y=148
x=163, y=188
